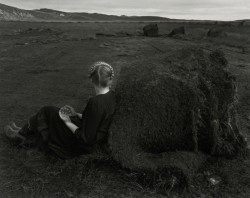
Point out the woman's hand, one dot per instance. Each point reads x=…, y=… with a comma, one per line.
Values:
x=70, y=111
x=64, y=117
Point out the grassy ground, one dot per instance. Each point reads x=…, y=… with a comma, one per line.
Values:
x=49, y=67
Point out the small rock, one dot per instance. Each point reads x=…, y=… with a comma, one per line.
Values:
x=123, y=33
x=215, y=180
x=106, y=34
x=104, y=45
x=92, y=37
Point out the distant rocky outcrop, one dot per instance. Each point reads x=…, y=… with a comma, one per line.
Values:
x=10, y=13
x=177, y=31
x=216, y=33
x=151, y=30
x=243, y=23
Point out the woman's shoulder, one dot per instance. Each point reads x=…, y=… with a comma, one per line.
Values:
x=104, y=99
x=104, y=102
x=101, y=97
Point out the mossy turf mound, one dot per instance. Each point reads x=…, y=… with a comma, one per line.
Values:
x=170, y=114
x=151, y=30
x=216, y=33
x=177, y=31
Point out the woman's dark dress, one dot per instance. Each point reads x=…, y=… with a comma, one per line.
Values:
x=51, y=134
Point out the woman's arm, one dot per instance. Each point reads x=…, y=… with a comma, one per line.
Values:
x=71, y=126
x=68, y=123
x=73, y=112
x=79, y=115
x=93, y=116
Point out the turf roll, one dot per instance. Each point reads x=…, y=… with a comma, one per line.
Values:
x=173, y=115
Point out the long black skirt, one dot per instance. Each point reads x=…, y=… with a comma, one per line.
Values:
x=49, y=133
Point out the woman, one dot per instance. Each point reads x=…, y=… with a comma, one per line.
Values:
x=66, y=132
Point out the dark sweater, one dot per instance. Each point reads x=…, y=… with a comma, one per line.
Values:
x=96, y=118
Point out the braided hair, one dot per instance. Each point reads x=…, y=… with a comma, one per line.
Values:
x=101, y=73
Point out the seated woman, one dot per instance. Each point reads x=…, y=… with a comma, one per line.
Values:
x=66, y=132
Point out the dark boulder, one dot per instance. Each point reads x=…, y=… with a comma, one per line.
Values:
x=151, y=30
x=177, y=31
x=241, y=23
x=108, y=34
x=216, y=33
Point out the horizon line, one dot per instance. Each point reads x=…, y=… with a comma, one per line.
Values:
x=167, y=18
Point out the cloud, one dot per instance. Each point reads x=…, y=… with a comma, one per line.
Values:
x=188, y=9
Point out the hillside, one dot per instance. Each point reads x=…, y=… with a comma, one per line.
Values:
x=8, y=13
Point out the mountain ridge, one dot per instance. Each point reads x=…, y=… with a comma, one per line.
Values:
x=9, y=13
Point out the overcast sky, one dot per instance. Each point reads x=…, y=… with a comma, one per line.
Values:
x=179, y=9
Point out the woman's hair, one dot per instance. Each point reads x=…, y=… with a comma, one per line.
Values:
x=101, y=74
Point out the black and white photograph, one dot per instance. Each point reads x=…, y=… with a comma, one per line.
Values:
x=124, y=99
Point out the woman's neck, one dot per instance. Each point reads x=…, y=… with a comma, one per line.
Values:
x=101, y=90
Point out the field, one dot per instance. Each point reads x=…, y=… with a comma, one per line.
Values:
x=46, y=64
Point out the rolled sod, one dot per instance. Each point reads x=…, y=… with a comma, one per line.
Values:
x=172, y=116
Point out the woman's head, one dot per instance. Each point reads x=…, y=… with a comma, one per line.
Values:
x=101, y=74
